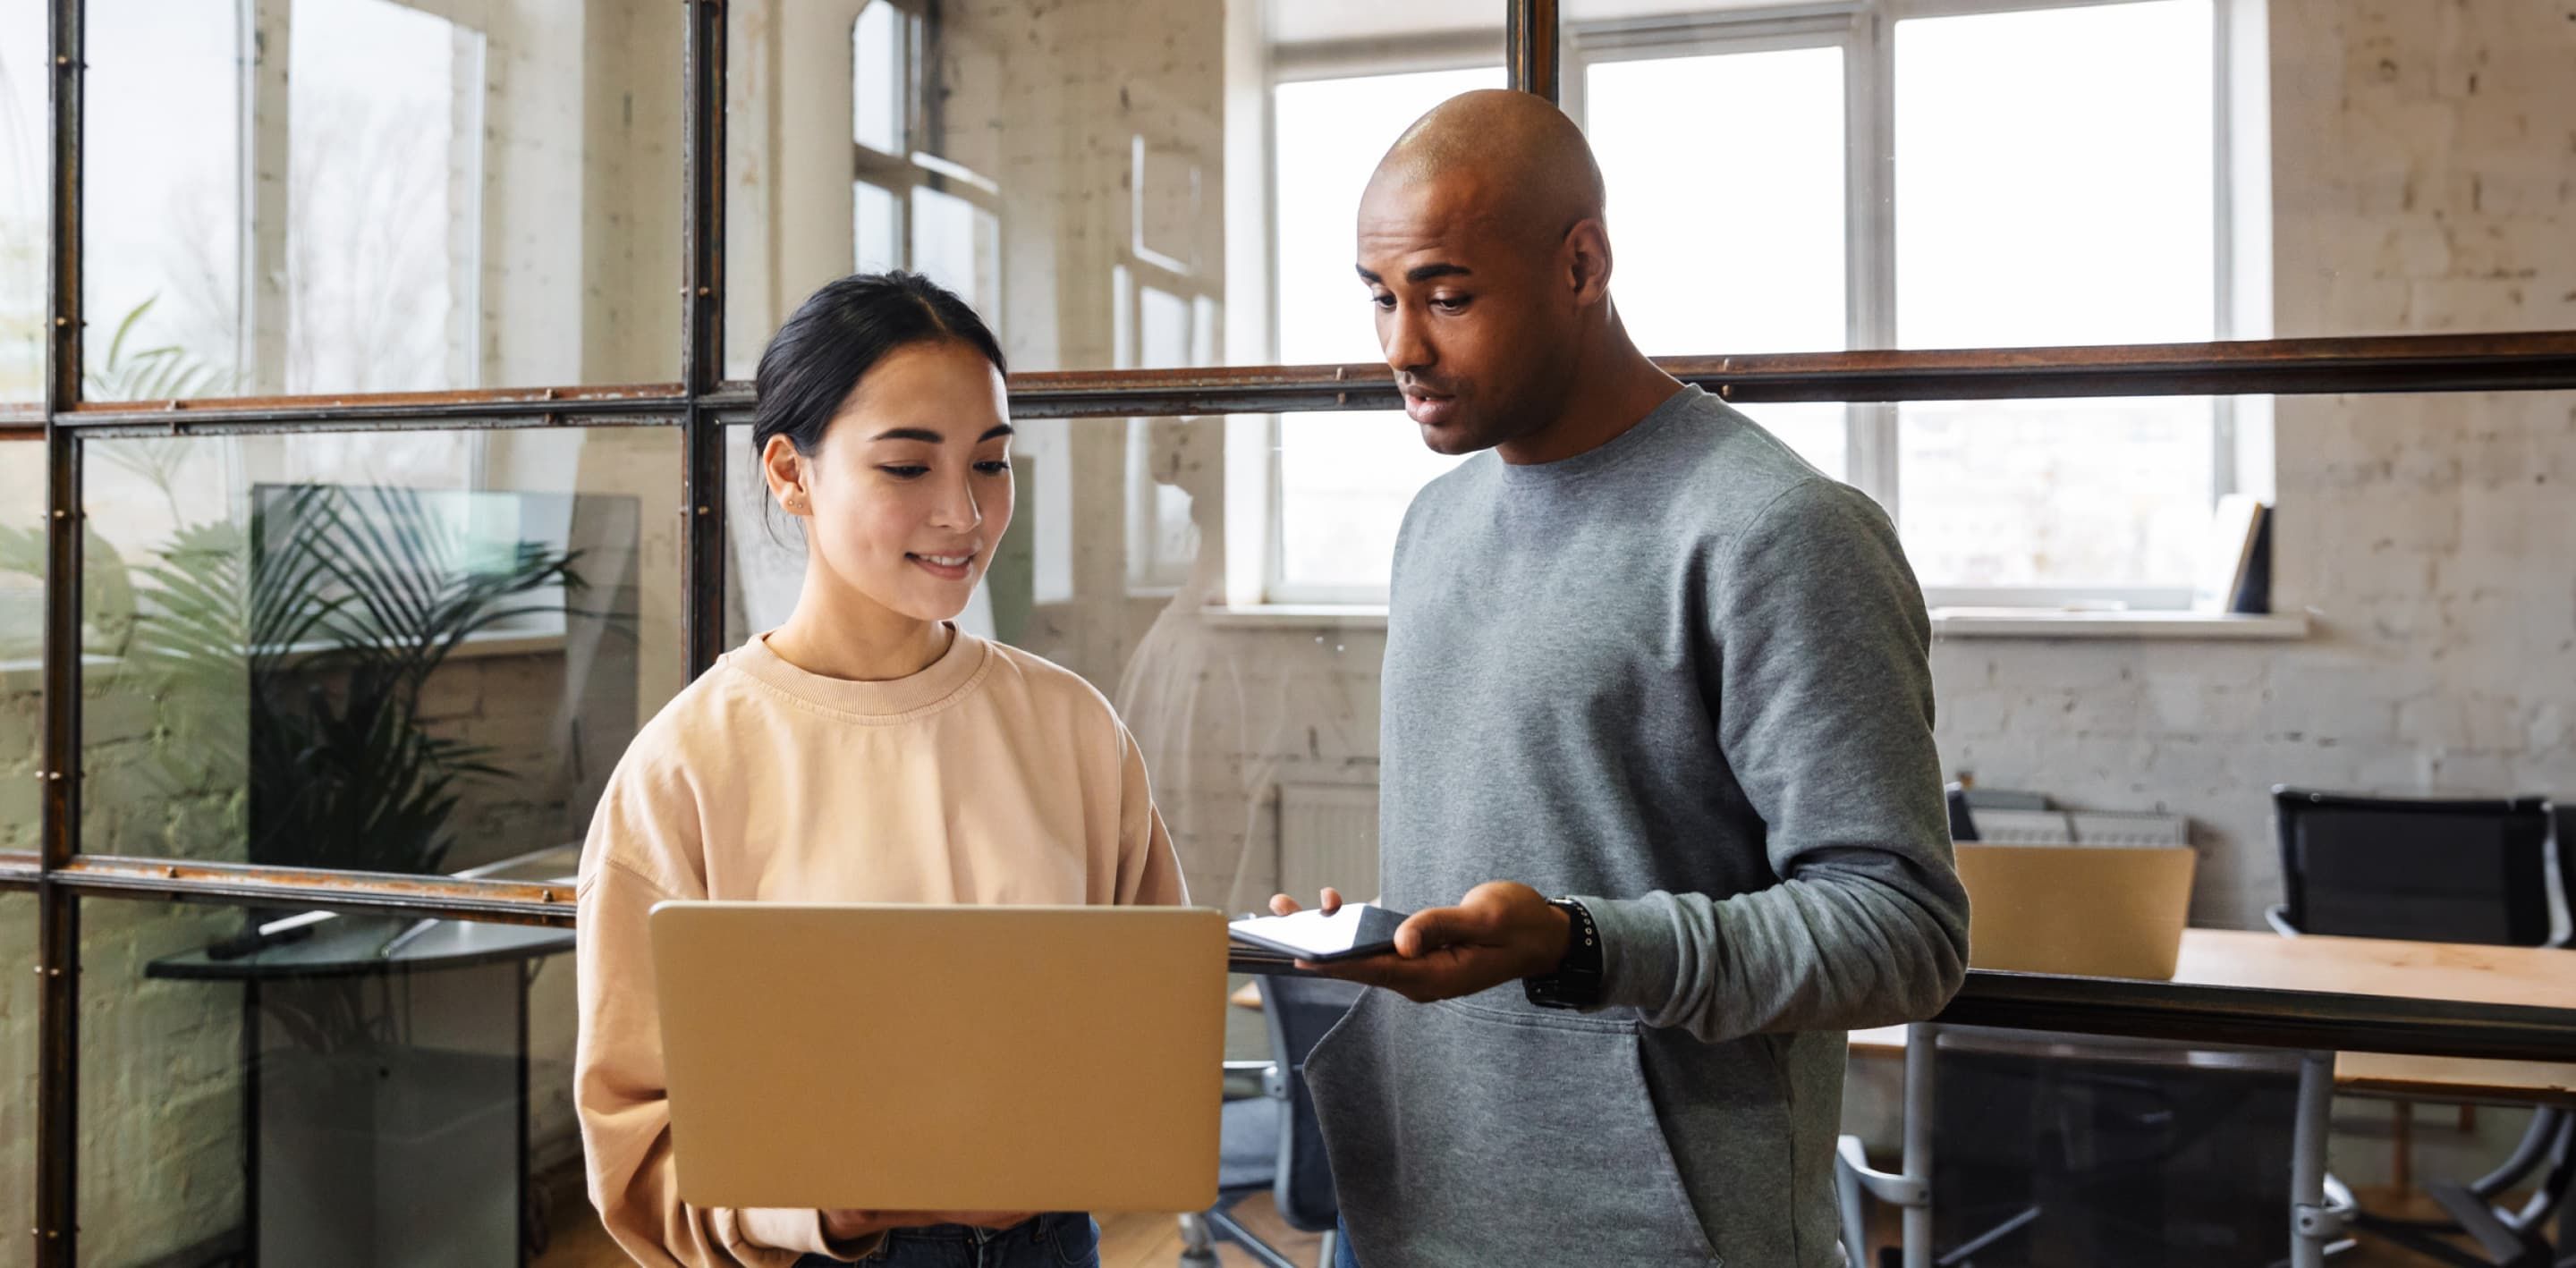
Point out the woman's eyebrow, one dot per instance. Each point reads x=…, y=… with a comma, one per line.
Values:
x=910, y=433
x=999, y=430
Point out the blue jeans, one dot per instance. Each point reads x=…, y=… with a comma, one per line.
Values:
x=1049, y=1241
x=1343, y=1255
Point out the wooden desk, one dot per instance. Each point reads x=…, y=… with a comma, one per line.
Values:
x=2535, y=976
x=2315, y=968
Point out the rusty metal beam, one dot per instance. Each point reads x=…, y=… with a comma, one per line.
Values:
x=1530, y=47
x=702, y=632
x=482, y=407
x=2399, y=363
x=2531, y=361
x=57, y=1198
x=504, y=902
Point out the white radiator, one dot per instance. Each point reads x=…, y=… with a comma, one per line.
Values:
x=2080, y=827
x=1328, y=836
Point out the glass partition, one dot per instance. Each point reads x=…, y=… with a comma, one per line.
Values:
x=1097, y=179
x=407, y=652
x=25, y=153
x=369, y=196
x=342, y=1089
x=22, y=642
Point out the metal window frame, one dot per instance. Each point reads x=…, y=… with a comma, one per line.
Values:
x=701, y=404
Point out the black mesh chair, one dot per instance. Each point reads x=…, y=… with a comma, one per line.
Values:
x=2486, y=871
x=1273, y=1141
x=2427, y=871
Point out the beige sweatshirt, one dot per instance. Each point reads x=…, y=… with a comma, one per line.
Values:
x=990, y=777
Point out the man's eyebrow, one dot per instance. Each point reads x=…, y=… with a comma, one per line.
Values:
x=1418, y=273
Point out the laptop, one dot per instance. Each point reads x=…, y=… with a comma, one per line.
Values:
x=943, y=1058
x=2087, y=910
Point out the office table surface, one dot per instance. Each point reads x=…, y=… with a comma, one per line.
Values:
x=2533, y=976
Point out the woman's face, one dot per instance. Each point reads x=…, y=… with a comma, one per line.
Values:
x=911, y=488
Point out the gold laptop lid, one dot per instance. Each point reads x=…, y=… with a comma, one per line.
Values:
x=2087, y=910
x=943, y=1058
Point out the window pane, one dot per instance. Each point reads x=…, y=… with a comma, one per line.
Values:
x=488, y=199
x=346, y=1097
x=26, y=151
x=2092, y=492
x=2055, y=175
x=1084, y=139
x=19, y=1042
x=399, y=652
x=1344, y=480
x=879, y=236
x=877, y=79
x=22, y=642
x=1712, y=264
x=958, y=245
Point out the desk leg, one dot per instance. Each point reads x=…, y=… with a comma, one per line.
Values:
x=2313, y=1222
x=1922, y=1042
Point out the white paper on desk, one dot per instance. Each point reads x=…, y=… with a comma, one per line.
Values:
x=1313, y=933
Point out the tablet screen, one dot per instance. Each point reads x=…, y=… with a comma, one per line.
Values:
x=1356, y=927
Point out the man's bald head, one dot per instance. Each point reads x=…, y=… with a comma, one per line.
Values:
x=1511, y=156
x=1481, y=241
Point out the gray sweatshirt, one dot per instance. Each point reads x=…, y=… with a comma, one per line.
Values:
x=1682, y=677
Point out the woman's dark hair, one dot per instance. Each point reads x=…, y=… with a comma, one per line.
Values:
x=839, y=334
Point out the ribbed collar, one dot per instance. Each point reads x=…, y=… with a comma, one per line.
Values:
x=941, y=683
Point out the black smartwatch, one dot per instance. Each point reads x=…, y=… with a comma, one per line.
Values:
x=1576, y=981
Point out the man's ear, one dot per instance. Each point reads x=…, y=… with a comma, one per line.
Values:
x=1587, y=257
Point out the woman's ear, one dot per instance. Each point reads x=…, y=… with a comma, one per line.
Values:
x=786, y=471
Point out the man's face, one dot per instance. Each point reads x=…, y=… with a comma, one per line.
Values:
x=1465, y=314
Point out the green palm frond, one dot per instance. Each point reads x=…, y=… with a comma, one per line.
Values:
x=326, y=619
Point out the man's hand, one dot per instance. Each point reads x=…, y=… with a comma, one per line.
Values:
x=1500, y=932
x=850, y=1225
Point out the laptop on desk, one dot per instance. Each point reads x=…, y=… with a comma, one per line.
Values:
x=2086, y=910
x=943, y=1058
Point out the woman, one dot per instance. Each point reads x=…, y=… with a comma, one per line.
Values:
x=867, y=750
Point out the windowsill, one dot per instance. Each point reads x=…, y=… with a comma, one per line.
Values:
x=1297, y=616
x=1946, y=622
x=28, y=673
x=2050, y=623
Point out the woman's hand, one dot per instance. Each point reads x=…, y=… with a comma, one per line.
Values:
x=1283, y=905
x=850, y=1225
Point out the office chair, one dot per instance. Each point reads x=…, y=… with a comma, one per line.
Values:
x=2057, y=1149
x=2454, y=870
x=1963, y=823
x=1274, y=1141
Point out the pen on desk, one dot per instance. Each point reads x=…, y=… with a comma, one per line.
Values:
x=274, y=933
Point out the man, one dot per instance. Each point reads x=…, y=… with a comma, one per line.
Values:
x=1643, y=658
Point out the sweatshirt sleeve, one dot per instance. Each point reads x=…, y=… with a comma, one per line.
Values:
x=1825, y=717
x=1149, y=868
x=644, y=824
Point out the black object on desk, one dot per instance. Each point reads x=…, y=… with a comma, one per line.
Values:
x=399, y=1138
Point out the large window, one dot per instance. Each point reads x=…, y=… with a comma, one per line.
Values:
x=1343, y=481
x=2051, y=176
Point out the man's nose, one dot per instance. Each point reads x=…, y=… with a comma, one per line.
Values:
x=1401, y=336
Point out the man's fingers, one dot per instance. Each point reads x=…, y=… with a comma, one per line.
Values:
x=1283, y=905
x=1432, y=928
x=1332, y=900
